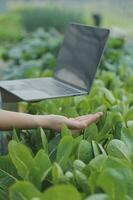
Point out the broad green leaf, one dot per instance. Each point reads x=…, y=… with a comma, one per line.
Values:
x=65, y=131
x=109, y=95
x=69, y=176
x=91, y=132
x=107, y=126
x=44, y=140
x=7, y=165
x=128, y=198
x=102, y=149
x=6, y=180
x=129, y=115
x=113, y=183
x=61, y=192
x=8, y=176
x=127, y=137
x=21, y=158
x=92, y=181
x=83, y=107
x=38, y=174
x=129, y=124
x=57, y=174
x=64, y=150
x=98, y=197
x=76, y=143
x=124, y=168
x=14, y=136
x=95, y=168
x=53, y=143
x=118, y=149
x=84, y=151
x=118, y=129
x=24, y=191
x=81, y=181
x=42, y=162
x=70, y=111
x=98, y=162
x=78, y=165
x=41, y=140
x=34, y=177
x=96, y=149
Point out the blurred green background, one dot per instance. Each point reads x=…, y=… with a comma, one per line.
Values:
x=20, y=18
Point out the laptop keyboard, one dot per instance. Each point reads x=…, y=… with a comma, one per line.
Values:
x=52, y=87
x=49, y=86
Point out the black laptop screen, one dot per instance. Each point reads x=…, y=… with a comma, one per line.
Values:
x=80, y=55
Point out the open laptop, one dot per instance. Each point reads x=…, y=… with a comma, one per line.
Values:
x=77, y=63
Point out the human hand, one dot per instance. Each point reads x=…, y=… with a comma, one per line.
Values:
x=74, y=124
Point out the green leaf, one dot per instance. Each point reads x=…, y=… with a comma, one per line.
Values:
x=98, y=197
x=24, y=191
x=124, y=168
x=102, y=149
x=42, y=162
x=41, y=140
x=69, y=176
x=85, y=152
x=109, y=95
x=21, y=158
x=98, y=162
x=34, y=177
x=81, y=181
x=65, y=131
x=15, y=137
x=7, y=165
x=113, y=183
x=129, y=124
x=6, y=180
x=127, y=137
x=44, y=140
x=96, y=150
x=79, y=165
x=107, y=126
x=57, y=174
x=8, y=176
x=91, y=132
x=129, y=115
x=118, y=149
x=76, y=143
x=64, y=150
x=62, y=192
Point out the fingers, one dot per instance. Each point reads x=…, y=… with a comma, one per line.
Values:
x=83, y=121
x=92, y=118
x=84, y=117
x=75, y=124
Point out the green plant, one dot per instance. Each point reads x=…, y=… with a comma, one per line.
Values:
x=34, y=56
x=98, y=164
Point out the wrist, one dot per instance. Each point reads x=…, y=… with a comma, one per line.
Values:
x=41, y=121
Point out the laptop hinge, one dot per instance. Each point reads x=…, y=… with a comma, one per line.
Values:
x=72, y=85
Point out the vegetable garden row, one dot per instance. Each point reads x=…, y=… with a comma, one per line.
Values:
x=95, y=165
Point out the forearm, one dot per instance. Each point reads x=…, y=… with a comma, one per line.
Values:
x=10, y=120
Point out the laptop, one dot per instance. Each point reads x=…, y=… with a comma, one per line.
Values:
x=77, y=63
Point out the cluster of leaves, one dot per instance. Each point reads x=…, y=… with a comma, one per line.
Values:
x=34, y=56
x=96, y=165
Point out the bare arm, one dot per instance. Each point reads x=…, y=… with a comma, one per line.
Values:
x=10, y=120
